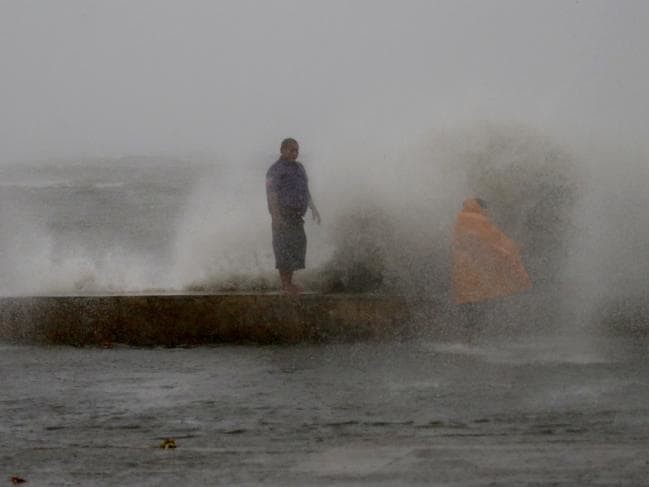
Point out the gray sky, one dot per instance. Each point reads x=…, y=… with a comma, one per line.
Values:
x=84, y=78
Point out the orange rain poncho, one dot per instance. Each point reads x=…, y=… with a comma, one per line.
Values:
x=486, y=263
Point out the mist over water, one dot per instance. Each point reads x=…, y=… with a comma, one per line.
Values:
x=160, y=224
x=146, y=224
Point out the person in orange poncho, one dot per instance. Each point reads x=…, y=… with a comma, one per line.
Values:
x=486, y=263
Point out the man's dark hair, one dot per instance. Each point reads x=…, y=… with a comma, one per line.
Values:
x=287, y=142
x=482, y=203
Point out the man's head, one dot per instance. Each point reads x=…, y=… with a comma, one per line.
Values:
x=289, y=149
x=475, y=205
x=482, y=203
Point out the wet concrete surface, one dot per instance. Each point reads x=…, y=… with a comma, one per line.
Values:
x=177, y=319
x=535, y=411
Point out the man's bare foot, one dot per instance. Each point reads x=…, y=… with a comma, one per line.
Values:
x=292, y=289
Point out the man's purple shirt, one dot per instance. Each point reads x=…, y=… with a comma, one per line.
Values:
x=289, y=181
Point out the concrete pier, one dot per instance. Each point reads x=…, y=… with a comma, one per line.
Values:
x=194, y=319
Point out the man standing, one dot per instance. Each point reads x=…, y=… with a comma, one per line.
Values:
x=287, y=190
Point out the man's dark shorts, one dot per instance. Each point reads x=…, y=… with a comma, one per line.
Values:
x=289, y=244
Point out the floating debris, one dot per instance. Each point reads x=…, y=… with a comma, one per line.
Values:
x=17, y=480
x=168, y=443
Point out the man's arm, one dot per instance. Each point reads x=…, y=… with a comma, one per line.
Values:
x=273, y=207
x=272, y=198
x=314, y=211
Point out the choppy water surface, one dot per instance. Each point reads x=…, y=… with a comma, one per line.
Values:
x=532, y=412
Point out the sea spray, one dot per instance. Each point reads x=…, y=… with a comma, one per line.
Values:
x=387, y=221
